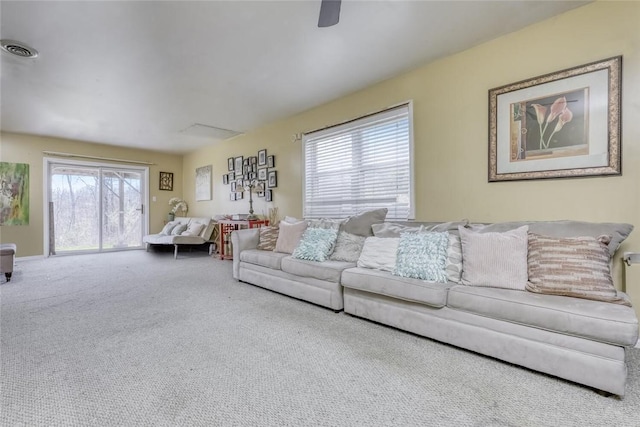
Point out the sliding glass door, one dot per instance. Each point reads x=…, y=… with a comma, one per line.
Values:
x=95, y=208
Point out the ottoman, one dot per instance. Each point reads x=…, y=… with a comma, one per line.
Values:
x=7, y=254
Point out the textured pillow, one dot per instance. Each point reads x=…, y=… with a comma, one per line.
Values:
x=193, y=229
x=178, y=229
x=316, y=244
x=168, y=227
x=379, y=253
x=360, y=224
x=572, y=266
x=454, y=258
x=348, y=247
x=268, y=238
x=289, y=236
x=422, y=256
x=496, y=260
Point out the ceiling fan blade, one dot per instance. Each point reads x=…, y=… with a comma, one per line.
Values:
x=329, y=13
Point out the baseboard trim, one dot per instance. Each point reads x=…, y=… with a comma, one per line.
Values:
x=29, y=258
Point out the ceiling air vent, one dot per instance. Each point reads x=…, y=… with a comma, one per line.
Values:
x=18, y=49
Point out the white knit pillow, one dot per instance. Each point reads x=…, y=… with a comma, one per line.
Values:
x=496, y=260
x=379, y=253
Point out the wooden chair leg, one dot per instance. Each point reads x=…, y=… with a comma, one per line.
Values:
x=175, y=252
x=7, y=276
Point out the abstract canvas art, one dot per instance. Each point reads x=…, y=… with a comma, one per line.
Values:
x=14, y=193
x=203, y=183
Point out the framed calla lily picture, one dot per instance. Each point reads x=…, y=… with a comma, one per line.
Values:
x=559, y=125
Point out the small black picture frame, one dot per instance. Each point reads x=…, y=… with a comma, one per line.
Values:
x=271, y=161
x=262, y=157
x=225, y=179
x=166, y=181
x=262, y=174
x=232, y=197
x=234, y=185
x=238, y=163
x=230, y=164
x=272, y=182
x=268, y=196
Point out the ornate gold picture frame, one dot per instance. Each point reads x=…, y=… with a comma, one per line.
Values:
x=559, y=125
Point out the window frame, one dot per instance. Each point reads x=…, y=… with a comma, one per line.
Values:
x=357, y=123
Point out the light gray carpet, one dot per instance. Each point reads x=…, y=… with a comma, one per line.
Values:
x=135, y=338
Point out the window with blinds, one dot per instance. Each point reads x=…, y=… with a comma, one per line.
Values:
x=361, y=165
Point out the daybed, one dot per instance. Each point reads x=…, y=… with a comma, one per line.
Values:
x=582, y=340
x=183, y=231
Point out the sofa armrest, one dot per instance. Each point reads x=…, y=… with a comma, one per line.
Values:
x=241, y=240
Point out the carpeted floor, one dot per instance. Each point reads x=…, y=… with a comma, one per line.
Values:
x=136, y=338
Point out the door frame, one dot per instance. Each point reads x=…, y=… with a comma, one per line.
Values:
x=48, y=161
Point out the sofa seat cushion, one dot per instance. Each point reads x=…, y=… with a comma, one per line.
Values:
x=600, y=321
x=385, y=283
x=326, y=270
x=262, y=258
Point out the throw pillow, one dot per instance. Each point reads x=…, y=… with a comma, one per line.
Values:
x=360, y=224
x=289, y=236
x=422, y=256
x=178, y=229
x=348, y=247
x=316, y=244
x=268, y=238
x=392, y=229
x=326, y=223
x=496, y=260
x=572, y=266
x=379, y=253
x=168, y=227
x=454, y=258
x=193, y=229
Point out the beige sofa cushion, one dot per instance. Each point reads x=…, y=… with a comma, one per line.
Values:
x=610, y=323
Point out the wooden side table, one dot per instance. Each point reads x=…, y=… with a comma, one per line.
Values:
x=227, y=226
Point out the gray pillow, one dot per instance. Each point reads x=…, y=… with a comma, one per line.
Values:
x=348, y=247
x=360, y=224
x=178, y=229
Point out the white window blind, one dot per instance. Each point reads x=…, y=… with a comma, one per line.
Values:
x=360, y=165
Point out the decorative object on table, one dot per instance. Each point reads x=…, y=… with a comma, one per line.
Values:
x=230, y=164
x=166, y=181
x=273, y=179
x=559, y=125
x=249, y=186
x=14, y=193
x=203, y=183
x=271, y=161
x=177, y=205
x=274, y=216
x=262, y=157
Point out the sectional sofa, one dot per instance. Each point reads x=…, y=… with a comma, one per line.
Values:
x=578, y=339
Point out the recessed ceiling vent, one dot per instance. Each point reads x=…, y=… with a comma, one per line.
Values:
x=18, y=49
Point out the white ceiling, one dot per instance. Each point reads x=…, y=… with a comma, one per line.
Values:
x=138, y=73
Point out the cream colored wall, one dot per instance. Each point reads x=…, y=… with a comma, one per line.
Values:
x=17, y=148
x=450, y=128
